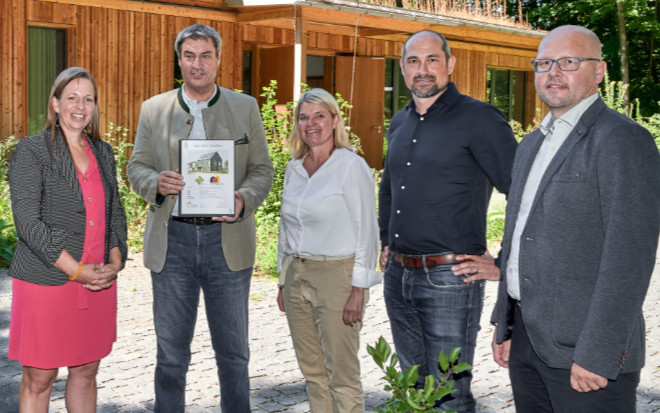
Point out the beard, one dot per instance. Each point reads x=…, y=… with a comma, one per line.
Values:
x=427, y=92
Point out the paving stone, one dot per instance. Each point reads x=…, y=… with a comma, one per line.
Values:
x=126, y=376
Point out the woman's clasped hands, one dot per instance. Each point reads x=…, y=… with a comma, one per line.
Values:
x=97, y=277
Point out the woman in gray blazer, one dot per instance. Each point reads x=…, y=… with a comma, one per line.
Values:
x=71, y=243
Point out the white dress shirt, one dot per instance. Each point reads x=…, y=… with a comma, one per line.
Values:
x=331, y=214
x=555, y=133
x=197, y=131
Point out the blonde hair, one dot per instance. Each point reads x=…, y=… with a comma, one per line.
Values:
x=62, y=80
x=321, y=97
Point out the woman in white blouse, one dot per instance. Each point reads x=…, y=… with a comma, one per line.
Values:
x=327, y=253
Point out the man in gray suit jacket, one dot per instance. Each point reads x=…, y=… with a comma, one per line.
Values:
x=580, y=242
x=187, y=254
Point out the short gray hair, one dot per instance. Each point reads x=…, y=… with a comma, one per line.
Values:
x=198, y=31
x=445, y=44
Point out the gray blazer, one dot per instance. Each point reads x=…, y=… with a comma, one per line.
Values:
x=588, y=249
x=164, y=121
x=48, y=207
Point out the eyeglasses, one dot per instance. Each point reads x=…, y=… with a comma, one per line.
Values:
x=566, y=64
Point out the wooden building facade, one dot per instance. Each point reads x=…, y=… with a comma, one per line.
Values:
x=342, y=46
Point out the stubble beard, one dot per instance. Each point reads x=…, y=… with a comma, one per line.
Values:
x=432, y=91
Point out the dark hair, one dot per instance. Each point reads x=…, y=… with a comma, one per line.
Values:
x=445, y=45
x=62, y=80
x=197, y=31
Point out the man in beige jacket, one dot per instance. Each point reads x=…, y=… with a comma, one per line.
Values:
x=186, y=254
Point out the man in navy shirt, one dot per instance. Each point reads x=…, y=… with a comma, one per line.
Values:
x=446, y=152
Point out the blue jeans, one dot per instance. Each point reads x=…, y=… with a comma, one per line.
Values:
x=195, y=261
x=430, y=311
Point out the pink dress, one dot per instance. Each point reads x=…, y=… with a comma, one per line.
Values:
x=67, y=325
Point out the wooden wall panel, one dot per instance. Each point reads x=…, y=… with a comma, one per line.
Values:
x=477, y=75
x=267, y=35
x=130, y=54
x=51, y=13
x=13, y=65
x=460, y=76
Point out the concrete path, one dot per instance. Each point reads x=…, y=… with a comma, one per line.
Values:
x=126, y=376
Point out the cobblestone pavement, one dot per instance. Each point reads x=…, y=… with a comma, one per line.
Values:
x=125, y=379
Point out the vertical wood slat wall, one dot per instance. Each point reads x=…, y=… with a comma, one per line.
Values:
x=13, y=56
x=131, y=55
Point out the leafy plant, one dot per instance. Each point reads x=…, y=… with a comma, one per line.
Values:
x=8, y=239
x=613, y=92
x=344, y=107
x=406, y=397
x=8, y=235
x=134, y=206
x=277, y=125
x=495, y=217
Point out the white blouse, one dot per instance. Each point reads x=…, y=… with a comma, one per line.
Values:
x=331, y=214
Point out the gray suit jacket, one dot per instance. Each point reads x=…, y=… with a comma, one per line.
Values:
x=164, y=121
x=49, y=211
x=588, y=249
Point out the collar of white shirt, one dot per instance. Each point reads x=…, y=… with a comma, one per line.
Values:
x=569, y=119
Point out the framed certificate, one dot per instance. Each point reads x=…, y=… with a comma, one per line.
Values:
x=207, y=167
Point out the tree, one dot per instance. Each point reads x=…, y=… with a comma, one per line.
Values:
x=641, y=31
x=623, y=51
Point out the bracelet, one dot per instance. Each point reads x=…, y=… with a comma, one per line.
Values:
x=80, y=267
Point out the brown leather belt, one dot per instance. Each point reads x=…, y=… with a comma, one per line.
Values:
x=196, y=220
x=417, y=261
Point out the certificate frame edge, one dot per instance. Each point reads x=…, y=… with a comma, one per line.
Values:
x=233, y=183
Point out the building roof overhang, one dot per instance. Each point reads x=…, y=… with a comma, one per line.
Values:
x=380, y=22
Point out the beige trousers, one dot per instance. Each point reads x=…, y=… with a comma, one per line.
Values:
x=315, y=292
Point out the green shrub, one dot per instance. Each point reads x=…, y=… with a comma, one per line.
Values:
x=134, y=206
x=8, y=236
x=277, y=127
x=613, y=94
x=495, y=219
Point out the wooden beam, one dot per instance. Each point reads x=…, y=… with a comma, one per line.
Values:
x=51, y=13
x=299, y=53
x=253, y=16
x=312, y=27
x=330, y=29
x=492, y=49
x=346, y=18
x=154, y=8
x=374, y=32
x=406, y=26
x=209, y=4
x=277, y=24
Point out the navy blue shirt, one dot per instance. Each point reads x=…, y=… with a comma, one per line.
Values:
x=439, y=175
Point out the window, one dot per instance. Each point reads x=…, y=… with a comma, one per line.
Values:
x=505, y=89
x=247, y=72
x=397, y=94
x=315, y=71
x=46, y=59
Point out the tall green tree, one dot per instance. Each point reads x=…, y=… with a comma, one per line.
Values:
x=641, y=41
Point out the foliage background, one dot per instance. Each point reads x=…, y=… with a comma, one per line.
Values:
x=643, y=33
